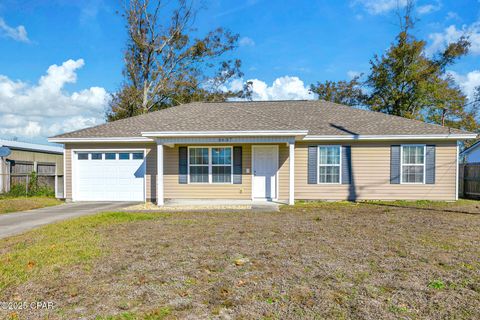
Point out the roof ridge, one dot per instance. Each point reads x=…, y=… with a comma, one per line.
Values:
x=257, y=101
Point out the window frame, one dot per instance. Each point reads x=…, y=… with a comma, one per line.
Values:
x=210, y=165
x=339, y=165
x=424, y=162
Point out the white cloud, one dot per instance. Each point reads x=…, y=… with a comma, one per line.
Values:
x=467, y=82
x=45, y=109
x=283, y=88
x=381, y=6
x=429, y=8
x=246, y=42
x=451, y=34
x=16, y=33
x=453, y=16
x=352, y=74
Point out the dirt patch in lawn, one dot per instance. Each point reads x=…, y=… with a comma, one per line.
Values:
x=357, y=261
x=460, y=206
x=8, y=205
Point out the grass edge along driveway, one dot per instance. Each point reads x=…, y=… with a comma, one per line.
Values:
x=15, y=204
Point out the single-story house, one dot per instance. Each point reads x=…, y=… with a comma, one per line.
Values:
x=25, y=158
x=471, y=154
x=272, y=150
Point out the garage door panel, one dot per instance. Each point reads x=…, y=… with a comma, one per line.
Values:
x=109, y=180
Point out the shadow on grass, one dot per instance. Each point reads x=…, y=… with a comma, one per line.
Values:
x=431, y=208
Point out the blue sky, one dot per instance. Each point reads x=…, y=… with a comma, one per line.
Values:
x=60, y=58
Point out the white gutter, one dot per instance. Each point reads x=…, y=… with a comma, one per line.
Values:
x=148, y=136
x=255, y=133
x=391, y=137
x=109, y=139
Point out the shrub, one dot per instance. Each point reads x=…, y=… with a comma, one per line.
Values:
x=34, y=188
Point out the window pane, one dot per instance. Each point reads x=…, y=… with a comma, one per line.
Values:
x=124, y=156
x=413, y=154
x=96, y=156
x=329, y=155
x=137, y=155
x=329, y=174
x=198, y=155
x=412, y=174
x=221, y=174
x=110, y=156
x=199, y=174
x=83, y=156
x=221, y=156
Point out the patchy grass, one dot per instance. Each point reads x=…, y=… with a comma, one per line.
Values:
x=47, y=250
x=10, y=204
x=157, y=314
x=314, y=260
x=462, y=205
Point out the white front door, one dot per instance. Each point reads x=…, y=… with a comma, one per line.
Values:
x=264, y=168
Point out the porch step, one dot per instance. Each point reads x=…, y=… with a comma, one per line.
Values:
x=205, y=205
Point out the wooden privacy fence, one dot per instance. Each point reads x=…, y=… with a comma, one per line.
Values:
x=469, y=180
x=19, y=173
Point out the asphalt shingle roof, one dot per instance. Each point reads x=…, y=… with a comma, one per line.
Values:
x=318, y=117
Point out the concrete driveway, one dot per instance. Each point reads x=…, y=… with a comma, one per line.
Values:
x=18, y=222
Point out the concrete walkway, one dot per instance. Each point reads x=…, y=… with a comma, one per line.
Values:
x=207, y=205
x=18, y=222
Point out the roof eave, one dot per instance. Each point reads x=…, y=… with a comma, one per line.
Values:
x=256, y=133
x=390, y=137
x=100, y=139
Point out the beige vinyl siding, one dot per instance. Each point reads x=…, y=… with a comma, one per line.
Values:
x=151, y=172
x=175, y=190
x=67, y=179
x=371, y=175
x=283, y=172
x=151, y=159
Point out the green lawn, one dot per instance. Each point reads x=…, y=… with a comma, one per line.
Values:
x=314, y=260
x=14, y=204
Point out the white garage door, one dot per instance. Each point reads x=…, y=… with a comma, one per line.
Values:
x=109, y=176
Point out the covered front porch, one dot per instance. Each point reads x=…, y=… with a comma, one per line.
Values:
x=226, y=168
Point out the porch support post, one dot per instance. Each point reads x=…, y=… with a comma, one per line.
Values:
x=291, y=161
x=160, y=195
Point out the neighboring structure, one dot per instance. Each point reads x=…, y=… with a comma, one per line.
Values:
x=273, y=150
x=471, y=154
x=46, y=160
